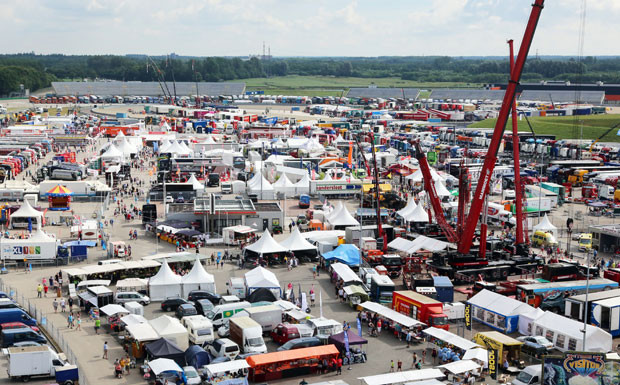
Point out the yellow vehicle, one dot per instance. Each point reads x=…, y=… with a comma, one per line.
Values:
x=585, y=242
x=577, y=178
x=543, y=238
x=507, y=347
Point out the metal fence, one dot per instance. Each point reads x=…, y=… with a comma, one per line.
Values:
x=51, y=331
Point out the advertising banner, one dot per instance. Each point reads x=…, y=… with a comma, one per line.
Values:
x=575, y=368
x=468, y=316
x=494, y=363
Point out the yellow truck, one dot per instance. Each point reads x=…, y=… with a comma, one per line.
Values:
x=585, y=242
x=507, y=347
x=577, y=178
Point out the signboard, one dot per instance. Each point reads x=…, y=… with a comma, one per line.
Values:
x=468, y=318
x=578, y=368
x=494, y=364
x=20, y=250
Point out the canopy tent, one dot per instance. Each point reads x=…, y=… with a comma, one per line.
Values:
x=498, y=311
x=127, y=148
x=112, y=154
x=229, y=366
x=393, y=315
x=526, y=319
x=178, y=150
x=164, y=284
x=567, y=334
x=296, y=242
x=441, y=189
x=198, y=279
x=172, y=329
x=408, y=209
x=162, y=365
x=458, y=367
x=420, y=243
x=196, y=185
x=285, y=186
x=402, y=377
x=25, y=213
x=196, y=356
x=59, y=198
x=142, y=332
x=450, y=338
x=303, y=185
x=417, y=176
x=266, y=245
x=418, y=215
x=345, y=253
x=479, y=354
x=546, y=225
x=262, y=294
x=113, y=309
x=133, y=319
x=345, y=273
x=165, y=145
x=259, y=277
x=165, y=348
x=342, y=218
x=338, y=339
x=132, y=283
x=260, y=186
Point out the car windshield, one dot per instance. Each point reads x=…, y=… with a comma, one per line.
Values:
x=440, y=320
x=210, y=314
x=524, y=377
x=204, y=332
x=255, y=341
x=585, y=241
x=191, y=373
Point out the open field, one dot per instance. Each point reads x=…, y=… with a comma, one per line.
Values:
x=566, y=127
x=332, y=86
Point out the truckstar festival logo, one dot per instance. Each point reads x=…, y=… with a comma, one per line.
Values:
x=26, y=250
x=584, y=364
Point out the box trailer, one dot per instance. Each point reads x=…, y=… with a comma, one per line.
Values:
x=33, y=361
x=576, y=305
x=605, y=314
x=420, y=307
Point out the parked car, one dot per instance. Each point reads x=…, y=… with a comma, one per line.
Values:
x=129, y=296
x=285, y=332
x=169, y=199
x=172, y=303
x=223, y=347
x=203, y=306
x=203, y=294
x=534, y=349
x=193, y=378
x=298, y=343
x=185, y=309
x=540, y=340
x=16, y=325
x=179, y=200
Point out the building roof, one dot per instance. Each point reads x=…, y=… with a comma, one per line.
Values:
x=233, y=206
x=146, y=88
x=568, y=96
x=267, y=206
x=385, y=93
x=467, y=93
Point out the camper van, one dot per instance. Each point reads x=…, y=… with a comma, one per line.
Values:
x=236, y=286
x=199, y=329
x=220, y=314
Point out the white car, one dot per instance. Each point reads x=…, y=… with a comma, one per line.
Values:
x=223, y=347
x=540, y=340
x=509, y=194
x=193, y=378
x=169, y=199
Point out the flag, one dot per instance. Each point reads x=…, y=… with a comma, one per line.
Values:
x=346, y=341
x=29, y=225
x=321, y=303
x=359, y=327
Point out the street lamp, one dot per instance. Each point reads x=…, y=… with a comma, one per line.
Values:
x=585, y=319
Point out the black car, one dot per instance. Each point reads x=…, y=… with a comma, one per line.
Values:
x=213, y=180
x=299, y=343
x=195, y=295
x=184, y=310
x=243, y=176
x=172, y=303
x=203, y=306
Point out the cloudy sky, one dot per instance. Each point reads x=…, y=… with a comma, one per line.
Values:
x=308, y=28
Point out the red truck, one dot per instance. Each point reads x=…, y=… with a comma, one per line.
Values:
x=420, y=307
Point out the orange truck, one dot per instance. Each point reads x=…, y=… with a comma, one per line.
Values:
x=420, y=307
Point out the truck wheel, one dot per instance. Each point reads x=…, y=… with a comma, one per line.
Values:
x=25, y=378
x=68, y=382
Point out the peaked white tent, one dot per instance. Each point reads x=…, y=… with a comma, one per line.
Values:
x=568, y=334
x=418, y=215
x=260, y=185
x=441, y=189
x=266, y=245
x=165, y=145
x=164, y=284
x=296, y=242
x=127, y=148
x=335, y=209
x=284, y=185
x=303, y=185
x=259, y=277
x=196, y=185
x=546, y=225
x=178, y=150
x=113, y=153
x=418, y=177
x=526, y=319
x=198, y=279
x=20, y=217
x=408, y=209
x=208, y=140
x=172, y=329
x=342, y=218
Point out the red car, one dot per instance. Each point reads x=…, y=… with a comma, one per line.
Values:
x=285, y=332
x=16, y=325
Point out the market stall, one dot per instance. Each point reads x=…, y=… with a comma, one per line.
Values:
x=59, y=198
x=172, y=329
x=233, y=372
x=298, y=245
x=276, y=365
x=266, y=247
x=567, y=334
x=26, y=216
x=259, y=277
x=443, y=338
x=165, y=348
x=402, y=377
x=498, y=311
x=391, y=315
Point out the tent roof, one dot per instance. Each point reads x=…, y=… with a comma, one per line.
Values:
x=27, y=211
x=499, y=304
x=450, y=338
x=423, y=242
x=479, y=354
x=198, y=274
x=161, y=365
x=59, y=190
x=345, y=273
x=597, y=339
x=296, y=242
x=112, y=152
x=354, y=339
x=176, y=148
x=304, y=182
x=40, y=236
x=164, y=276
x=127, y=148
x=112, y=309
x=400, y=377
x=395, y=316
x=228, y=366
x=459, y=367
x=208, y=140
x=283, y=182
x=163, y=347
x=266, y=245
x=142, y=332
x=418, y=177
x=133, y=319
x=166, y=325
x=545, y=225
x=261, y=277
x=408, y=209
x=345, y=253
x=256, y=184
x=195, y=183
x=441, y=189
x=343, y=218
x=418, y=214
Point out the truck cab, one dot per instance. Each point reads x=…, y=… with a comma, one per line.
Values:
x=381, y=289
x=393, y=263
x=530, y=375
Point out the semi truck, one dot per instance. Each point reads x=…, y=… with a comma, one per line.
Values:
x=248, y=334
x=39, y=361
x=420, y=307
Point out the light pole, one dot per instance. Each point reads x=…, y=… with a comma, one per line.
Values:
x=585, y=319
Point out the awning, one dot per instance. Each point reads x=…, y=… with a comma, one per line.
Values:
x=450, y=338
x=401, y=377
x=89, y=298
x=395, y=316
x=462, y=366
x=161, y=365
x=95, y=282
x=229, y=366
x=479, y=354
x=133, y=319
x=113, y=309
x=345, y=273
x=142, y=332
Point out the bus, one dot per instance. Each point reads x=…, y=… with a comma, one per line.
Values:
x=552, y=295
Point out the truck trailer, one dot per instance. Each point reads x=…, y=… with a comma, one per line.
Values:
x=420, y=307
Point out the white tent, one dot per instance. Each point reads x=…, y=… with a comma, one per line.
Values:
x=133, y=319
x=198, y=279
x=546, y=225
x=417, y=176
x=172, y=329
x=567, y=334
x=196, y=185
x=425, y=243
x=402, y=377
x=303, y=185
x=450, y=338
x=339, y=139
x=259, y=277
x=498, y=311
x=161, y=365
x=296, y=242
x=418, y=215
x=459, y=367
x=329, y=212
x=266, y=245
x=285, y=186
x=342, y=218
x=441, y=189
x=526, y=319
x=164, y=284
x=408, y=209
x=176, y=149
x=127, y=148
x=185, y=147
x=260, y=186
x=27, y=211
x=112, y=309
x=142, y=332
x=113, y=153
x=165, y=145
x=208, y=140
x=479, y=354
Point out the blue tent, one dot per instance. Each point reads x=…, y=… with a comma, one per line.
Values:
x=196, y=356
x=80, y=243
x=347, y=254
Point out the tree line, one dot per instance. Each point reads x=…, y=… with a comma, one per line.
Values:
x=38, y=71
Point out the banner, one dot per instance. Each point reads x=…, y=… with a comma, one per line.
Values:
x=359, y=327
x=468, y=316
x=578, y=369
x=346, y=342
x=493, y=363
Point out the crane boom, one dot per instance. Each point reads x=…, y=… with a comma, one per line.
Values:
x=482, y=188
x=517, y=166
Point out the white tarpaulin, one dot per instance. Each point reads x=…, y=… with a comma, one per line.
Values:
x=259, y=277
x=408, y=209
x=479, y=354
x=393, y=315
x=459, y=367
x=171, y=328
x=450, y=338
x=345, y=273
x=142, y=332
x=266, y=245
x=198, y=279
x=112, y=309
x=133, y=319
x=546, y=225
x=570, y=333
x=526, y=319
x=400, y=244
x=164, y=284
x=401, y=377
x=425, y=243
x=296, y=242
x=418, y=215
x=417, y=176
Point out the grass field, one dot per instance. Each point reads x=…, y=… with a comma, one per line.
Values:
x=332, y=86
x=566, y=127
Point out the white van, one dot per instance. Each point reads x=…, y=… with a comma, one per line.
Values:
x=236, y=286
x=199, y=329
x=529, y=376
x=220, y=314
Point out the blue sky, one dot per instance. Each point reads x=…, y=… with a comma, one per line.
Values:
x=308, y=28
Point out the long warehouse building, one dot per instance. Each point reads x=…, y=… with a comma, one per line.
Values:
x=118, y=88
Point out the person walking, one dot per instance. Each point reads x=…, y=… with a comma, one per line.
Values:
x=424, y=357
x=79, y=322
x=105, y=350
x=55, y=305
x=414, y=359
x=39, y=290
x=399, y=365
x=391, y=366
x=70, y=321
x=70, y=304
x=63, y=305
x=97, y=325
